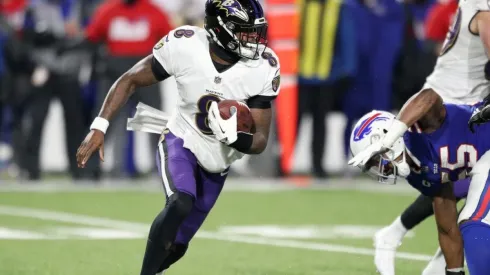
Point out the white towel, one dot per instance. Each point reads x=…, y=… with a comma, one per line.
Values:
x=147, y=119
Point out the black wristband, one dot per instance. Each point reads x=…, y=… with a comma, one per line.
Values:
x=243, y=142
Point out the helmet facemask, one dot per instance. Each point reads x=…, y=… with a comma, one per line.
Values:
x=247, y=41
x=389, y=165
x=385, y=167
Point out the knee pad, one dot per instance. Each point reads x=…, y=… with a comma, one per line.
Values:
x=180, y=204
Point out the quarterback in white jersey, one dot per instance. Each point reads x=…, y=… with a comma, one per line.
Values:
x=228, y=59
x=184, y=53
x=460, y=76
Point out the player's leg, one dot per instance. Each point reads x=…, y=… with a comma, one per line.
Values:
x=474, y=218
x=476, y=238
x=388, y=239
x=177, y=167
x=322, y=102
x=209, y=186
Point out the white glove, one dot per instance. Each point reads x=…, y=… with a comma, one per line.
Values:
x=371, y=151
x=225, y=130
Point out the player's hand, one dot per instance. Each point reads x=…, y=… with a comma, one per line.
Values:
x=480, y=116
x=225, y=130
x=93, y=141
x=371, y=151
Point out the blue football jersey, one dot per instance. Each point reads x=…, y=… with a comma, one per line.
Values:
x=447, y=154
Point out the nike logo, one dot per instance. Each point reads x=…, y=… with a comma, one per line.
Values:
x=224, y=173
x=221, y=129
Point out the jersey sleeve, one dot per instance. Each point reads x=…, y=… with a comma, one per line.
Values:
x=163, y=53
x=272, y=84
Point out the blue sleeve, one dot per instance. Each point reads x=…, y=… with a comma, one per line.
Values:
x=348, y=42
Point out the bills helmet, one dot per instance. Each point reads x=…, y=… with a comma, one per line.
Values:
x=371, y=128
x=239, y=26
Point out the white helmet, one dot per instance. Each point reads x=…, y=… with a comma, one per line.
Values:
x=372, y=127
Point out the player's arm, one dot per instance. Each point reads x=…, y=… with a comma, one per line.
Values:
x=262, y=118
x=480, y=26
x=146, y=72
x=450, y=239
x=261, y=110
x=425, y=107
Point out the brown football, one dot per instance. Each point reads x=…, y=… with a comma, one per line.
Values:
x=245, y=122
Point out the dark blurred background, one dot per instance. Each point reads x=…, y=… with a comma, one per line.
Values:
x=339, y=60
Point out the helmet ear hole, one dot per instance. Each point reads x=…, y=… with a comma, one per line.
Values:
x=385, y=131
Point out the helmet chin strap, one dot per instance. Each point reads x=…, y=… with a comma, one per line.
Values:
x=403, y=169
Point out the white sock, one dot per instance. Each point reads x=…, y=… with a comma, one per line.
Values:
x=397, y=228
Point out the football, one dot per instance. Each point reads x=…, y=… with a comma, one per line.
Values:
x=245, y=122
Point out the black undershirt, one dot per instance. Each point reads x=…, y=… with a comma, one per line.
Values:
x=225, y=55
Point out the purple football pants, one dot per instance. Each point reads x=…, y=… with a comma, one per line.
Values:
x=180, y=172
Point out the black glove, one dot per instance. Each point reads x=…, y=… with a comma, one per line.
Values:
x=480, y=116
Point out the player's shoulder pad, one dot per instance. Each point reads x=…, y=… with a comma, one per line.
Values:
x=271, y=67
x=181, y=39
x=178, y=46
x=274, y=70
x=270, y=59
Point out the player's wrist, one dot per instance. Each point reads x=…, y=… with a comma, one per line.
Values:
x=397, y=129
x=100, y=124
x=243, y=143
x=455, y=271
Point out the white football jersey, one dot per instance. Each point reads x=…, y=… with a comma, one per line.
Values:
x=184, y=54
x=458, y=76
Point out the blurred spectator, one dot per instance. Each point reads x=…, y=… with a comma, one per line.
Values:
x=420, y=54
x=183, y=12
x=379, y=26
x=53, y=76
x=18, y=68
x=327, y=64
x=129, y=29
x=437, y=24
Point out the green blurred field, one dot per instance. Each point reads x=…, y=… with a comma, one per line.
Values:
x=67, y=231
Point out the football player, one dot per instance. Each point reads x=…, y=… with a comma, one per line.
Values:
x=227, y=59
x=433, y=154
x=459, y=77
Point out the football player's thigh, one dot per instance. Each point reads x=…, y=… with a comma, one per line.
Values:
x=209, y=186
x=476, y=238
x=176, y=165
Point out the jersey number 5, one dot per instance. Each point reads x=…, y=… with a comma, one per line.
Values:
x=466, y=156
x=452, y=34
x=201, y=117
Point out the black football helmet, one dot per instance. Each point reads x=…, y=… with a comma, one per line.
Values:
x=238, y=26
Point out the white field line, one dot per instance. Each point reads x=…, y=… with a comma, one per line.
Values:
x=141, y=227
x=234, y=185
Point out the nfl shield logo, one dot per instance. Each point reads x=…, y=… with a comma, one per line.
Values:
x=217, y=79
